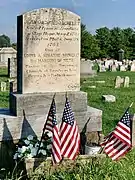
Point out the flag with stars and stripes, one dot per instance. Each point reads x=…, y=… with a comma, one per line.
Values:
x=51, y=125
x=118, y=142
x=69, y=134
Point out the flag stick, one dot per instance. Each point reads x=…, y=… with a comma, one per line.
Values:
x=83, y=137
x=44, y=127
x=102, y=148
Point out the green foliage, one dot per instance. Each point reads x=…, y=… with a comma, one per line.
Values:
x=4, y=96
x=14, y=45
x=94, y=169
x=4, y=41
x=29, y=147
x=89, y=44
x=107, y=42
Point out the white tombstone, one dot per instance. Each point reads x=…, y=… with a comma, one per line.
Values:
x=118, y=82
x=122, y=68
x=126, y=81
x=113, y=68
x=3, y=86
x=108, y=98
x=119, y=63
x=86, y=68
x=132, y=68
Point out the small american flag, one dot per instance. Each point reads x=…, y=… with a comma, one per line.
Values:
x=118, y=142
x=51, y=125
x=69, y=134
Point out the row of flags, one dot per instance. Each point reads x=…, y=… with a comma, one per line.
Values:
x=66, y=139
x=119, y=141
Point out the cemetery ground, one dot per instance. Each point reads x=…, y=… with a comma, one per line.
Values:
x=96, y=169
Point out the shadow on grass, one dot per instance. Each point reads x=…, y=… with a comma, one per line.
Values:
x=3, y=75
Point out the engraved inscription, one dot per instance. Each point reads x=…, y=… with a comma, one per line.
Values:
x=51, y=51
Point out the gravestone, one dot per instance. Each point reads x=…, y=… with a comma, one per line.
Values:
x=48, y=62
x=3, y=86
x=86, y=68
x=132, y=67
x=50, y=43
x=113, y=68
x=126, y=81
x=122, y=68
x=108, y=98
x=12, y=67
x=118, y=82
x=13, y=86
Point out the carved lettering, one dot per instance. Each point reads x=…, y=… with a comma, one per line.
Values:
x=51, y=50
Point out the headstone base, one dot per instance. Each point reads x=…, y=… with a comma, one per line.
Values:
x=39, y=103
x=14, y=125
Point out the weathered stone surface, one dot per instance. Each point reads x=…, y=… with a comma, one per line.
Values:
x=95, y=123
x=108, y=98
x=113, y=68
x=12, y=67
x=48, y=51
x=39, y=103
x=19, y=127
x=86, y=68
x=126, y=81
x=122, y=68
x=119, y=82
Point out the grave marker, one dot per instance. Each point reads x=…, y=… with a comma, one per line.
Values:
x=49, y=60
x=126, y=81
x=3, y=86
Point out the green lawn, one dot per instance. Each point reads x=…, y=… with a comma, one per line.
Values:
x=104, y=169
x=4, y=96
x=112, y=112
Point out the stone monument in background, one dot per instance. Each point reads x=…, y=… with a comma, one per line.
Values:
x=48, y=61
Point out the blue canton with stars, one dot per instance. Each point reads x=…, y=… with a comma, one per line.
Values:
x=52, y=113
x=126, y=119
x=68, y=116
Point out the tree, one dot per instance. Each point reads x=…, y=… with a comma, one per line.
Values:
x=117, y=41
x=14, y=45
x=103, y=37
x=4, y=41
x=89, y=44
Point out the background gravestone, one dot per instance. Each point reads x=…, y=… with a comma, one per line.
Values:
x=12, y=67
x=48, y=51
x=3, y=86
x=86, y=68
x=126, y=81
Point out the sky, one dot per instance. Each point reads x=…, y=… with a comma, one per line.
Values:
x=94, y=13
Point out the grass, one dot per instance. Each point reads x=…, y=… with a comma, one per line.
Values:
x=124, y=96
x=4, y=96
x=104, y=169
